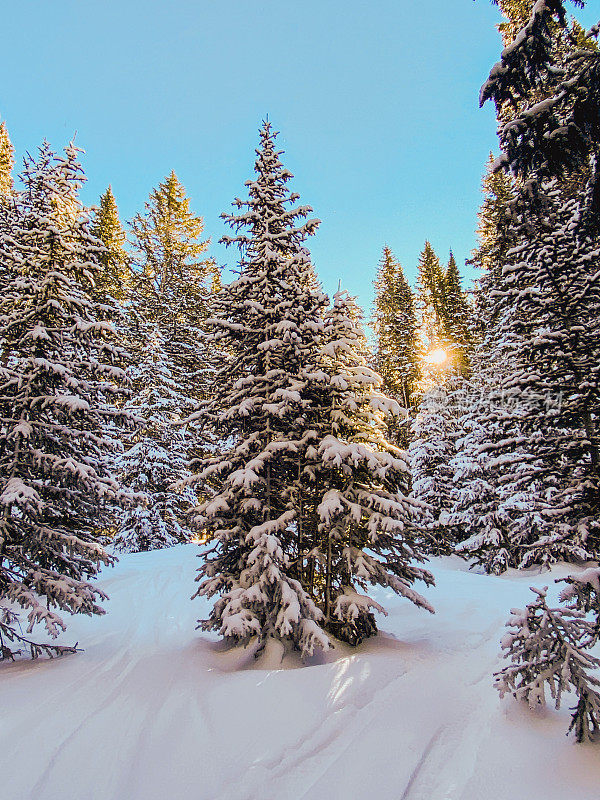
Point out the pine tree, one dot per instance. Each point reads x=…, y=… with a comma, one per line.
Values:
x=495, y=238
x=433, y=342
x=546, y=647
x=395, y=325
x=115, y=277
x=174, y=279
x=358, y=484
x=431, y=294
x=481, y=503
x=6, y=162
x=430, y=453
x=59, y=368
x=542, y=348
x=265, y=323
x=457, y=319
x=547, y=96
x=155, y=462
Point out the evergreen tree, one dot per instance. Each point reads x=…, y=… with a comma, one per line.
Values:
x=482, y=504
x=156, y=460
x=456, y=318
x=395, y=325
x=430, y=454
x=547, y=96
x=115, y=278
x=265, y=323
x=60, y=367
x=431, y=294
x=366, y=531
x=498, y=192
x=6, y=162
x=542, y=349
x=553, y=344
x=304, y=503
x=546, y=647
x=174, y=279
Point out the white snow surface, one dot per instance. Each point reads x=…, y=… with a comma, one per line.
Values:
x=154, y=709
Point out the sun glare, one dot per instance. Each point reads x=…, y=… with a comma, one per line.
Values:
x=436, y=356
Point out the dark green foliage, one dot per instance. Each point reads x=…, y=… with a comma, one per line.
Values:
x=395, y=325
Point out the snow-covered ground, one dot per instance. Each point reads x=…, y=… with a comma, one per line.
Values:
x=154, y=709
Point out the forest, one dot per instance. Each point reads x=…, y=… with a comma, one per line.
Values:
x=322, y=456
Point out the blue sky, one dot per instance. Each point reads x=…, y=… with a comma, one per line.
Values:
x=376, y=103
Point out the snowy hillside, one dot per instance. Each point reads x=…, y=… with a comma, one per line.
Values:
x=153, y=709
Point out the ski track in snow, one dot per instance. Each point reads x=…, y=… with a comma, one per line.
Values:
x=153, y=709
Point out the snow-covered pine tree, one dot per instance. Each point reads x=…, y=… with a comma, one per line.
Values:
x=357, y=483
x=267, y=324
x=552, y=343
x=174, y=279
x=547, y=647
x=546, y=91
x=495, y=238
x=156, y=459
x=430, y=452
x=60, y=365
x=395, y=325
x=6, y=162
x=115, y=277
x=170, y=369
x=480, y=504
x=542, y=350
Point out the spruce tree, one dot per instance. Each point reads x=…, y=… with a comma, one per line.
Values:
x=366, y=529
x=433, y=342
x=6, y=162
x=541, y=348
x=156, y=459
x=430, y=452
x=457, y=319
x=547, y=96
x=115, y=277
x=266, y=323
x=395, y=325
x=547, y=647
x=60, y=367
x=174, y=278
x=431, y=293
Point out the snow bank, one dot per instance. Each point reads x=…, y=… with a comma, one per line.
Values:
x=153, y=709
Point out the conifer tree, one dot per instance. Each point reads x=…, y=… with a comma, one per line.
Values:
x=156, y=460
x=366, y=531
x=304, y=504
x=498, y=194
x=457, y=318
x=547, y=650
x=115, y=278
x=431, y=294
x=395, y=324
x=547, y=101
x=548, y=299
x=6, y=162
x=174, y=279
x=541, y=352
x=60, y=368
x=266, y=323
x=430, y=453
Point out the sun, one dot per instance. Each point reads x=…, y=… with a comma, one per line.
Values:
x=436, y=356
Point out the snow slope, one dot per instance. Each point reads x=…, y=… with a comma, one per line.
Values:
x=153, y=709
